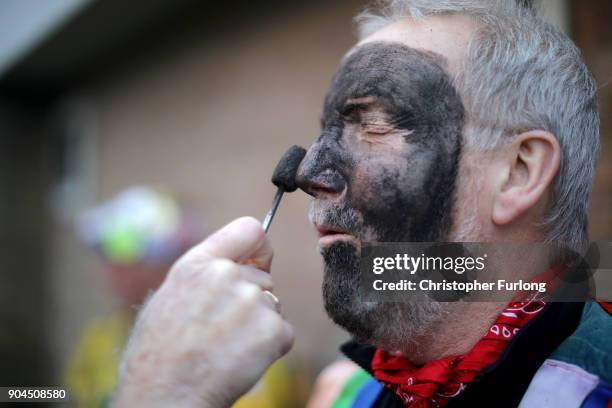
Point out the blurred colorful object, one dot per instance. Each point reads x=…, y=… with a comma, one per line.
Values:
x=91, y=375
x=141, y=224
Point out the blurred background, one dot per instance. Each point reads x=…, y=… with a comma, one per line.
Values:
x=198, y=99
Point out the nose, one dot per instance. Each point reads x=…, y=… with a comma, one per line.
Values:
x=319, y=174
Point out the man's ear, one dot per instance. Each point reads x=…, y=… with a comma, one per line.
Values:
x=526, y=172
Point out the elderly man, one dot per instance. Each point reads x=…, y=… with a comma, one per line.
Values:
x=455, y=120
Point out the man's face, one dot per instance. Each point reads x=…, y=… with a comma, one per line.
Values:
x=384, y=169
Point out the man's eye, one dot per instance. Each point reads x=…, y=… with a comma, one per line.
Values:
x=349, y=113
x=376, y=129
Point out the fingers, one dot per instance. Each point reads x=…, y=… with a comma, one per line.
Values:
x=262, y=258
x=256, y=276
x=226, y=273
x=278, y=332
x=241, y=239
x=212, y=305
x=264, y=312
x=287, y=338
x=272, y=301
x=281, y=329
x=242, y=253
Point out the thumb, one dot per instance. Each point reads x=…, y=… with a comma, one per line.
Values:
x=241, y=239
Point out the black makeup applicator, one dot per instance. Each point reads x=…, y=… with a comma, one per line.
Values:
x=284, y=178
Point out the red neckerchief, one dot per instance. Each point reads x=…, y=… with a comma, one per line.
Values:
x=436, y=382
x=607, y=306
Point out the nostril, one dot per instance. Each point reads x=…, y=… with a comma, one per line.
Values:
x=327, y=182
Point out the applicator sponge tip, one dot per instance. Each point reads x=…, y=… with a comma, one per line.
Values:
x=286, y=169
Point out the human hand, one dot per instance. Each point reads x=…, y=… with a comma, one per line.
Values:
x=210, y=331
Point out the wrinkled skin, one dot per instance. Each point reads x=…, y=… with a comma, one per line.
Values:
x=384, y=169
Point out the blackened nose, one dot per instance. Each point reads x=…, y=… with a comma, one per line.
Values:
x=325, y=183
x=318, y=175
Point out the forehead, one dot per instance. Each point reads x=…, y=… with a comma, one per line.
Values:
x=390, y=73
x=409, y=85
x=446, y=35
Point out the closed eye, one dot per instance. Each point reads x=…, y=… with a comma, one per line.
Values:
x=349, y=113
x=376, y=128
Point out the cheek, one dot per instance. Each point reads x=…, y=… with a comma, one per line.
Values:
x=475, y=190
x=375, y=178
x=382, y=180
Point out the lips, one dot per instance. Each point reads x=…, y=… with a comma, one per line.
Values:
x=324, y=230
x=329, y=235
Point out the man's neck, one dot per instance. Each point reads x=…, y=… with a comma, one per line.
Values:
x=465, y=324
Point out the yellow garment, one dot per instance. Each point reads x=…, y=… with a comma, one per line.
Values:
x=92, y=372
x=272, y=391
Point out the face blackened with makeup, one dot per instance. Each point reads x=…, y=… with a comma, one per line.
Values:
x=383, y=169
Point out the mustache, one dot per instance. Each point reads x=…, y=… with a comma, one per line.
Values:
x=340, y=217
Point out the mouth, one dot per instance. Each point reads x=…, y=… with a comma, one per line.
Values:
x=329, y=235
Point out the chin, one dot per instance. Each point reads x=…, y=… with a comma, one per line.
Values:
x=388, y=325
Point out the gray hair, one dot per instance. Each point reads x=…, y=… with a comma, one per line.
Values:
x=520, y=73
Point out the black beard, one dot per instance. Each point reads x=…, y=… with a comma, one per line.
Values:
x=389, y=325
x=341, y=291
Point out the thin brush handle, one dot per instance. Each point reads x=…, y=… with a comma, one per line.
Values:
x=268, y=220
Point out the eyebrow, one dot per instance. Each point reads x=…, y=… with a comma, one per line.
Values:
x=363, y=102
x=354, y=103
x=351, y=104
